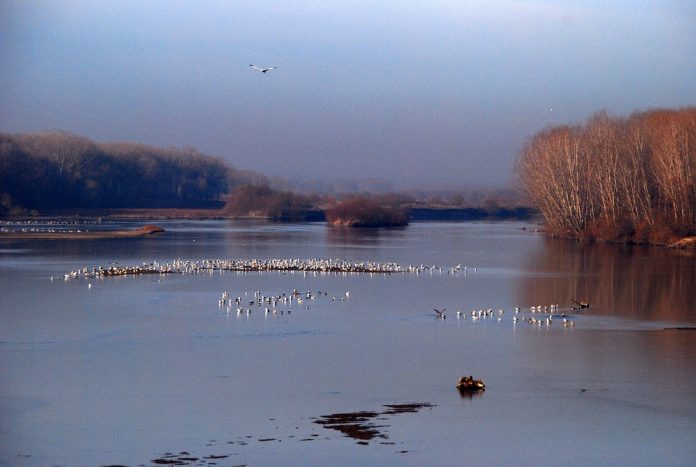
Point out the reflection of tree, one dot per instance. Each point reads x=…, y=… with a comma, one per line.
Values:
x=346, y=236
x=634, y=282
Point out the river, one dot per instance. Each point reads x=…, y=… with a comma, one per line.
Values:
x=152, y=369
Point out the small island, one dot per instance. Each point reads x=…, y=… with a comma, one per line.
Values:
x=365, y=212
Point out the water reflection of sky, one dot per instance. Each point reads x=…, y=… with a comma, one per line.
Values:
x=135, y=367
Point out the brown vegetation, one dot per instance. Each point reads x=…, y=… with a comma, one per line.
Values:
x=263, y=201
x=630, y=179
x=365, y=212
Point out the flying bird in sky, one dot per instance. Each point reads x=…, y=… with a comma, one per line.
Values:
x=263, y=70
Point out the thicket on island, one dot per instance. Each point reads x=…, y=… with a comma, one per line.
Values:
x=623, y=179
x=261, y=200
x=364, y=211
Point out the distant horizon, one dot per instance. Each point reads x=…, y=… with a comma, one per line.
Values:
x=378, y=184
x=425, y=96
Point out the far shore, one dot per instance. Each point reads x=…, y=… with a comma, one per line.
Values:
x=154, y=214
x=86, y=235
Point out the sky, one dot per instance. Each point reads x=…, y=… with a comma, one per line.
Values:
x=435, y=94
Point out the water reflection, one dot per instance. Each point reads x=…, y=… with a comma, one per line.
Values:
x=337, y=235
x=642, y=283
x=469, y=395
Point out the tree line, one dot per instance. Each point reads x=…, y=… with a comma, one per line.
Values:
x=57, y=170
x=630, y=179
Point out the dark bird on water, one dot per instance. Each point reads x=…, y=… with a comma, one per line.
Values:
x=262, y=69
x=581, y=304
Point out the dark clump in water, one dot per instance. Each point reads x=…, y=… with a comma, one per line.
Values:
x=358, y=425
x=354, y=425
x=405, y=408
x=183, y=458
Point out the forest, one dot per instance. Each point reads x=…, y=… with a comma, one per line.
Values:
x=57, y=173
x=57, y=170
x=627, y=179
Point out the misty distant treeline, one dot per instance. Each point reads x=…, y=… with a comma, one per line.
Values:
x=616, y=178
x=58, y=170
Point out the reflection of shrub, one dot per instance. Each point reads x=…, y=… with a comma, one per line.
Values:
x=365, y=212
x=249, y=200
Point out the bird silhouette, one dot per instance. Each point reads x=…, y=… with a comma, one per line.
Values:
x=262, y=69
x=440, y=314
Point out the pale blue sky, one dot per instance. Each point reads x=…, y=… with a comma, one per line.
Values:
x=440, y=93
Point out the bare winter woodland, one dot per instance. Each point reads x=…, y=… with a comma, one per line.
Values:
x=630, y=179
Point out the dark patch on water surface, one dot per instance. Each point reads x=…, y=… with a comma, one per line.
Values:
x=185, y=458
x=364, y=427
x=353, y=424
x=405, y=408
x=360, y=426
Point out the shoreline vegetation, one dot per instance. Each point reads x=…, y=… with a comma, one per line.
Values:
x=365, y=212
x=621, y=180
x=59, y=174
x=79, y=234
x=626, y=180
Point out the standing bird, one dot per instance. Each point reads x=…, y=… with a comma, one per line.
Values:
x=263, y=70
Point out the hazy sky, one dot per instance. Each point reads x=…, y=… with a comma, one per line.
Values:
x=422, y=93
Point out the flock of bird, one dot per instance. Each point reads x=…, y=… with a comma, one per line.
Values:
x=272, y=304
x=255, y=265
x=283, y=303
x=541, y=315
x=49, y=226
x=537, y=315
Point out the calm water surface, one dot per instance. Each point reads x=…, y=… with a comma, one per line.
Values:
x=134, y=369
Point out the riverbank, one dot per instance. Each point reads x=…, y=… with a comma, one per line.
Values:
x=79, y=234
x=683, y=243
x=415, y=214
